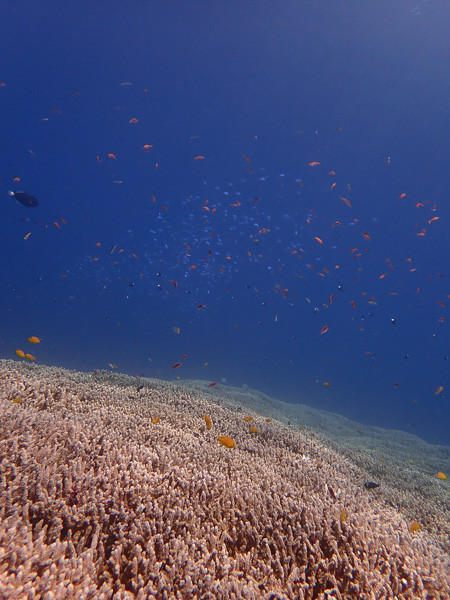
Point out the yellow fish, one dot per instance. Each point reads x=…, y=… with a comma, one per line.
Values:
x=34, y=340
x=226, y=441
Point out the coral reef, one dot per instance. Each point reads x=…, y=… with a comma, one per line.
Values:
x=96, y=501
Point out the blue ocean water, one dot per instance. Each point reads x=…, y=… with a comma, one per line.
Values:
x=220, y=182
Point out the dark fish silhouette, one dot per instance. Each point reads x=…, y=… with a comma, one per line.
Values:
x=24, y=199
x=371, y=485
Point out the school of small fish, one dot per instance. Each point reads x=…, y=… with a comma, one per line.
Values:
x=203, y=241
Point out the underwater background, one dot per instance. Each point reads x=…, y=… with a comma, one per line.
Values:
x=257, y=191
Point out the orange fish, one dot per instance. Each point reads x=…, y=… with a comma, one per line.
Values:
x=346, y=201
x=199, y=157
x=318, y=240
x=133, y=120
x=441, y=476
x=176, y=365
x=208, y=421
x=324, y=329
x=20, y=353
x=414, y=526
x=30, y=357
x=155, y=420
x=253, y=429
x=147, y=147
x=247, y=419
x=34, y=340
x=212, y=384
x=438, y=390
x=226, y=441
x=433, y=219
x=314, y=163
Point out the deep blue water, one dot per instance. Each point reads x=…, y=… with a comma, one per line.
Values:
x=251, y=231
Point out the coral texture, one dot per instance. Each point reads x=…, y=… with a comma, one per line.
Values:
x=96, y=501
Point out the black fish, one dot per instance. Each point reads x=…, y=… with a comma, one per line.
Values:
x=371, y=485
x=24, y=199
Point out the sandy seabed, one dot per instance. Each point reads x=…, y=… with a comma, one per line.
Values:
x=99, y=501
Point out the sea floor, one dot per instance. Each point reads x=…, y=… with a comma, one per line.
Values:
x=103, y=475
x=404, y=465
